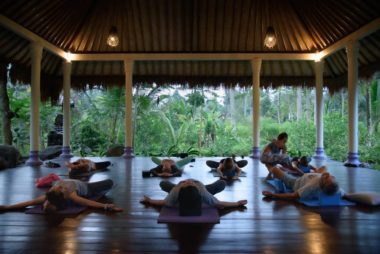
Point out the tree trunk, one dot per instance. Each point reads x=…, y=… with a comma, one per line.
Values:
x=6, y=113
x=342, y=103
x=307, y=105
x=232, y=107
x=245, y=105
x=299, y=103
x=279, y=105
x=369, y=109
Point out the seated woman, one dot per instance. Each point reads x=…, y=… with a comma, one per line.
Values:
x=303, y=165
x=189, y=195
x=57, y=197
x=82, y=166
x=228, y=169
x=168, y=167
x=275, y=154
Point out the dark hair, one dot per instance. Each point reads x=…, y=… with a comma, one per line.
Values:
x=190, y=201
x=304, y=161
x=329, y=188
x=57, y=199
x=282, y=136
x=228, y=162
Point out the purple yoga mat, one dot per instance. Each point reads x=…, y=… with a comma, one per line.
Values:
x=171, y=215
x=69, y=210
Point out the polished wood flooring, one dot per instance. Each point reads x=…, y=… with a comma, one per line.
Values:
x=264, y=227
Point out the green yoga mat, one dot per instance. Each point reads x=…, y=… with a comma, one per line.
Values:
x=179, y=164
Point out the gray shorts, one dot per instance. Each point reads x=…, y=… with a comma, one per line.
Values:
x=288, y=180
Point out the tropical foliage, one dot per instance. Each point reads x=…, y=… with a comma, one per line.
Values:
x=207, y=122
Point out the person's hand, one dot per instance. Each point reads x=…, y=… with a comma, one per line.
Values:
x=268, y=194
x=242, y=202
x=114, y=208
x=145, y=200
x=235, y=177
x=166, y=174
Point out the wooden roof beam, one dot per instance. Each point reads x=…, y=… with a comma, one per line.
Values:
x=25, y=33
x=355, y=36
x=190, y=56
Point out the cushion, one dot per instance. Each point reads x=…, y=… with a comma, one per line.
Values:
x=366, y=198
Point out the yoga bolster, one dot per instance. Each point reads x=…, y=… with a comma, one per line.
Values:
x=171, y=215
x=366, y=198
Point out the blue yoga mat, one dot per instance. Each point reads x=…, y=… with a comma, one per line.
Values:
x=279, y=186
x=321, y=200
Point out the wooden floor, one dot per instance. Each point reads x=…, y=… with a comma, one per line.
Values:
x=264, y=227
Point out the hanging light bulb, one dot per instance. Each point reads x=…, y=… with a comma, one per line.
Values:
x=113, y=38
x=270, y=38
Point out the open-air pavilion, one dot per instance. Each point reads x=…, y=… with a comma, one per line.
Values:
x=59, y=45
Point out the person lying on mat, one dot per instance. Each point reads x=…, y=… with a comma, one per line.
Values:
x=303, y=165
x=275, y=153
x=228, y=169
x=221, y=165
x=168, y=167
x=82, y=166
x=307, y=186
x=190, y=194
x=57, y=197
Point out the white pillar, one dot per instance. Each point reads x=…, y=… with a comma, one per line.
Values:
x=66, y=151
x=128, y=146
x=256, y=67
x=319, y=151
x=352, y=69
x=36, y=56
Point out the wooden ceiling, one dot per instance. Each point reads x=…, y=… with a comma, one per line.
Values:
x=193, y=26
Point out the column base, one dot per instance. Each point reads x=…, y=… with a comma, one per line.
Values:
x=34, y=159
x=128, y=152
x=255, y=153
x=319, y=154
x=66, y=153
x=352, y=160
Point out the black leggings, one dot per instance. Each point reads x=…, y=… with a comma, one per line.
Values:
x=215, y=164
x=98, y=187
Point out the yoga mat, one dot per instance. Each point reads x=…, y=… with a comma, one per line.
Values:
x=70, y=209
x=216, y=174
x=180, y=163
x=165, y=176
x=279, y=186
x=326, y=200
x=321, y=200
x=317, y=202
x=171, y=215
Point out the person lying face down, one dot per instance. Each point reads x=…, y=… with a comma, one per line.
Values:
x=167, y=165
x=190, y=194
x=62, y=191
x=166, y=168
x=306, y=186
x=81, y=166
x=229, y=169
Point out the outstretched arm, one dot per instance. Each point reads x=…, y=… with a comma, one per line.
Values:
x=93, y=204
x=225, y=204
x=36, y=201
x=148, y=201
x=291, y=196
